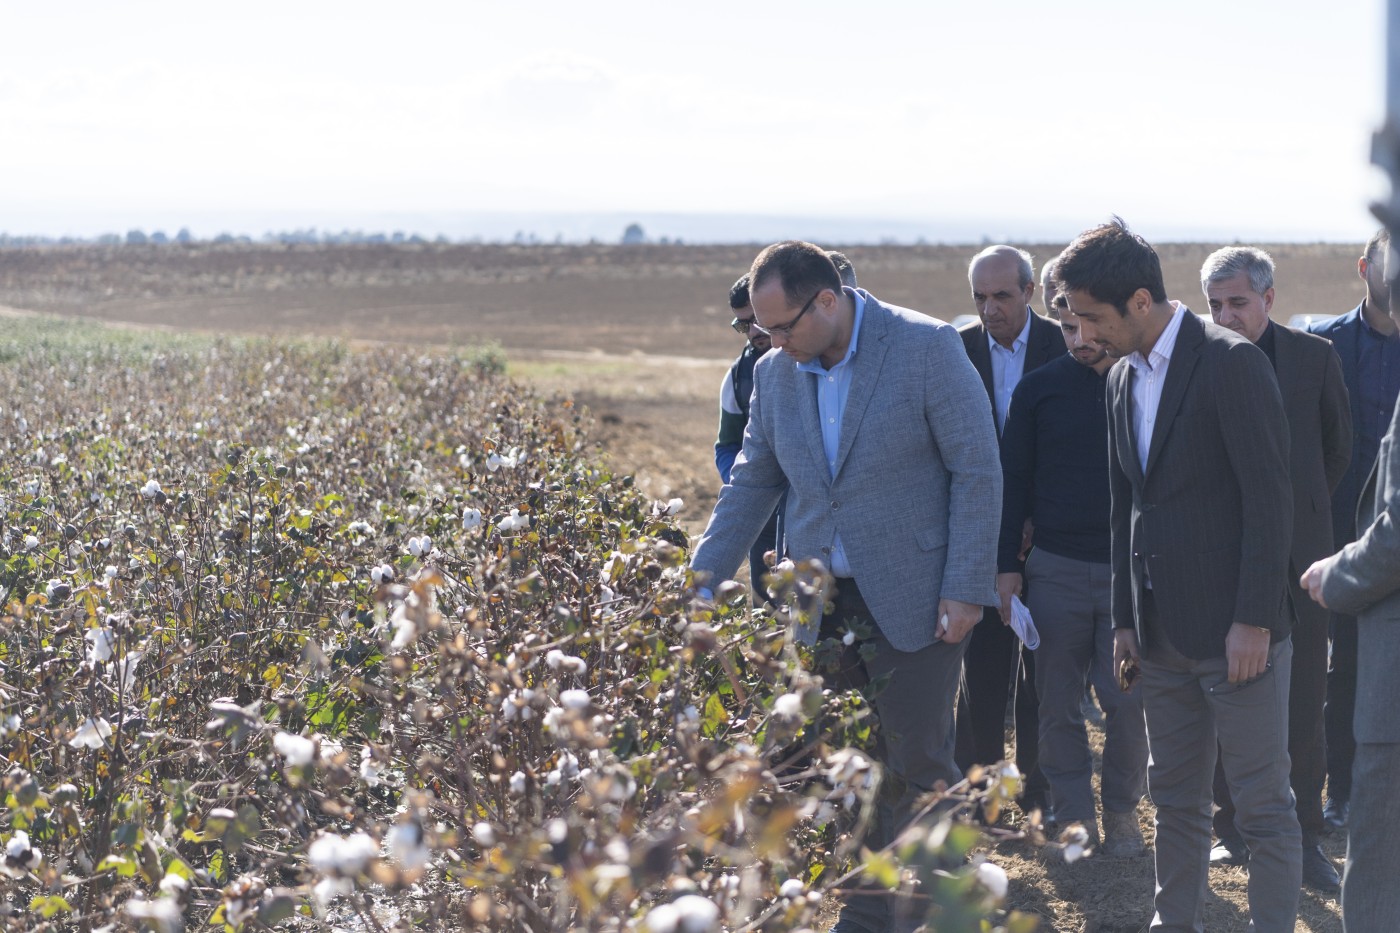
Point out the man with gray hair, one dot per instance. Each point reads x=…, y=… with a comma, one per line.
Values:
x=1238, y=282
x=1009, y=341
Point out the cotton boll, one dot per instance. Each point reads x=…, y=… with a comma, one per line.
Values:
x=343, y=856
x=20, y=856
x=298, y=751
x=993, y=878
x=575, y=699
x=788, y=706
x=695, y=914
x=484, y=834
x=371, y=771
x=91, y=734
x=407, y=846
x=101, y=644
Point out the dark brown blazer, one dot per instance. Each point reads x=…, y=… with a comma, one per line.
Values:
x=1210, y=518
x=1319, y=423
x=1043, y=344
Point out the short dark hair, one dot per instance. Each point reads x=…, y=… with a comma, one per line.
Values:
x=1378, y=242
x=803, y=268
x=739, y=293
x=1111, y=263
x=844, y=269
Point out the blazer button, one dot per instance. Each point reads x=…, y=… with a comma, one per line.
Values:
x=826, y=550
x=835, y=504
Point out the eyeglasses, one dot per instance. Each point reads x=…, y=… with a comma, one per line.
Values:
x=742, y=325
x=786, y=329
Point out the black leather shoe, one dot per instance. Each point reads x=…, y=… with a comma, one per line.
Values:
x=1335, y=813
x=1319, y=873
x=1230, y=851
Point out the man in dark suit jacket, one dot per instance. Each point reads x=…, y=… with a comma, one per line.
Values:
x=1201, y=525
x=1239, y=285
x=1365, y=339
x=1009, y=341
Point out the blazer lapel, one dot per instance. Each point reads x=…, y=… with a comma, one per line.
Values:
x=1183, y=362
x=1043, y=343
x=981, y=356
x=865, y=373
x=811, y=419
x=1123, y=415
x=1285, y=360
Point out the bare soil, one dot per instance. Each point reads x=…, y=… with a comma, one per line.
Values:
x=640, y=336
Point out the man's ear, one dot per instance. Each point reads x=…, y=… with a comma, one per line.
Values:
x=1140, y=302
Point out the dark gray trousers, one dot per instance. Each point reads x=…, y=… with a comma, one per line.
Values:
x=915, y=713
x=1191, y=705
x=1071, y=604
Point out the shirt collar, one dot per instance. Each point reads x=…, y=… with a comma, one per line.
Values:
x=814, y=365
x=1161, y=352
x=1021, y=339
x=1367, y=328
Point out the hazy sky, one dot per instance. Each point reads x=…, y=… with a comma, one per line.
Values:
x=1191, y=118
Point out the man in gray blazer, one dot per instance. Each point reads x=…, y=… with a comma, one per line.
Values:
x=1239, y=286
x=1363, y=580
x=1008, y=341
x=876, y=423
x=1201, y=514
x=1367, y=342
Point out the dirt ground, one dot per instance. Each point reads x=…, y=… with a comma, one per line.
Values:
x=640, y=336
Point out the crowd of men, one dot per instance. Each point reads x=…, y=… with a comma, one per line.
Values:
x=1177, y=504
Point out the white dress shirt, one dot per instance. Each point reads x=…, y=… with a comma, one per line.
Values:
x=1008, y=365
x=1149, y=375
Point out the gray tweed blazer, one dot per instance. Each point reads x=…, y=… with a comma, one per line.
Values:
x=916, y=495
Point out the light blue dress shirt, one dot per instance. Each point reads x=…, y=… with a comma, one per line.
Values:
x=1007, y=368
x=833, y=387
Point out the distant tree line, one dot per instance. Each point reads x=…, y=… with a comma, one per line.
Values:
x=633, y=235
x=309, y=235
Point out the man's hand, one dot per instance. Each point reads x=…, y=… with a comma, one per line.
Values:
x=1027, y=534
x=1247, y=650
x=1125, y=646
x=1312, y=579
x=1008, y=585
x=961, y=618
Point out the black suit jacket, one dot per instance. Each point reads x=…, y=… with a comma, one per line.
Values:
x=1316, y=401
x=1210, y=518
x=1043, y=344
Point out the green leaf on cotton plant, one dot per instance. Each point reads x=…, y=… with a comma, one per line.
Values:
x=50, y=906
x=124, y=867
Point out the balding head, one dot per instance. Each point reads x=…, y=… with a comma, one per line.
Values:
x=1002, y=281
x=1025, y=263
